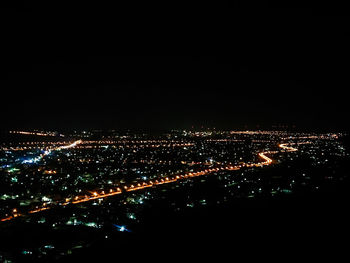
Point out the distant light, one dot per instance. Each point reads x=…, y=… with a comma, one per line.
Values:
x=121, y=228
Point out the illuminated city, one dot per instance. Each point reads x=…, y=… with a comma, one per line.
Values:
x=204, y=135
x=71, y=180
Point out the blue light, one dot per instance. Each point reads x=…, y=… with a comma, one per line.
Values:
x=121, y=228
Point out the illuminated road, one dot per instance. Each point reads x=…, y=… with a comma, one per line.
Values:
x=68, y=146
x=151, y=183
x=36, y=159
x=287, y=148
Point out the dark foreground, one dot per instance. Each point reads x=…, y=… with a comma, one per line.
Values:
x=315, y=225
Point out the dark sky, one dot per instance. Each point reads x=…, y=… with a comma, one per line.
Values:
x=243, y=68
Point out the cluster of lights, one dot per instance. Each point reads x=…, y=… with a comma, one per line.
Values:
x=35, y=133
x=151, y=183
x=47, y=152
x=85, y=145
x=257, y=132
x=131, y=142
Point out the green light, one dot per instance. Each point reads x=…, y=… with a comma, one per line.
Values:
x=12, y=170
x=14, y=179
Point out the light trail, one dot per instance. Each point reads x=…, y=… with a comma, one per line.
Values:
x=287, y=148
x=47, y=152
x=90, y=145
x=47, y=134
x=68, y=146
x=139, y=186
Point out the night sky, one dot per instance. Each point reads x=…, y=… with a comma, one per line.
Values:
x=245, y=69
